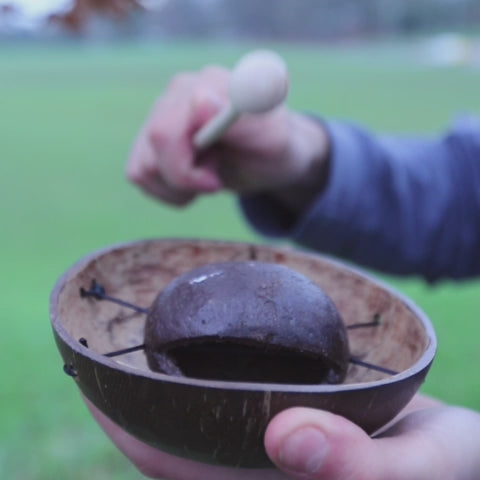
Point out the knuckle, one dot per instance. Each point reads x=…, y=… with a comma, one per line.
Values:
x=214, y=71
x=216, y=78
x=138, y=170
x=181, y=80
x=133, y=174
x=133, y=171
x=157, y=136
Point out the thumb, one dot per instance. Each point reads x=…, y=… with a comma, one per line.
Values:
x=317, y=445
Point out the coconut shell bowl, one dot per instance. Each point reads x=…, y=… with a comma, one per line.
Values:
x=215, y=410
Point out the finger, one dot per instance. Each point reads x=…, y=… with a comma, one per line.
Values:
x=143, y=170
x=158, y=189
x=316, y=445
x=170, y=134
x=418, y=402
x=178, y=167
x=141, y=163
x=154, y=463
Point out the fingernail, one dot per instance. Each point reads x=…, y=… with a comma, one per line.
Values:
x=303, y=451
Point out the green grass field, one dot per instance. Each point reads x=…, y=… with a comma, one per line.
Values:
x=68, y=115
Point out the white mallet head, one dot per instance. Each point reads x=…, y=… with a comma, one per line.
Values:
x=259, y=82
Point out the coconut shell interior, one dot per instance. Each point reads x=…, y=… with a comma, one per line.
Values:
x=137, y=272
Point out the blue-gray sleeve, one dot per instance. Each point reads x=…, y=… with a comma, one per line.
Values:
x=396, y=204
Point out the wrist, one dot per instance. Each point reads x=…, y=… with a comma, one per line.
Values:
x=310, y=142
x=309, y=151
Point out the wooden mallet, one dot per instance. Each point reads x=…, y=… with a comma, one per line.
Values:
x=258, y=83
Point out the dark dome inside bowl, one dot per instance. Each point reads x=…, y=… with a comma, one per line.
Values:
x=247, y=321
x=222, y=421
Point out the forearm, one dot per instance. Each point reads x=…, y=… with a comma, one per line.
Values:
x=405, y=206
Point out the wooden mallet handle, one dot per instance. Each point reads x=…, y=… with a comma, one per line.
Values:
x=258, y=83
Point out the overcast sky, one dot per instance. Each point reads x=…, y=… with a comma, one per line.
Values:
x=38, y=7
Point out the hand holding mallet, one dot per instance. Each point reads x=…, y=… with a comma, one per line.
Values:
x=259, y=83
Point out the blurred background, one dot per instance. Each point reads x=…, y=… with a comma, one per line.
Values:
x=77, y=80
